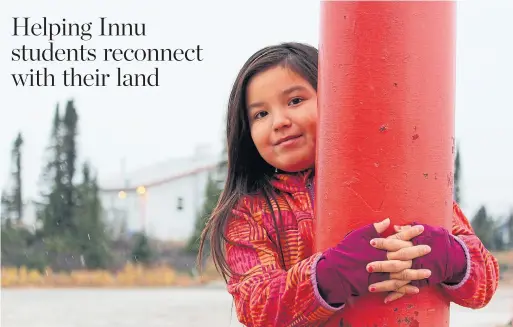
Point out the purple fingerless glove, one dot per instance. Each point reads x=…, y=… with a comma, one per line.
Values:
x=341, y=271
x=447, y=260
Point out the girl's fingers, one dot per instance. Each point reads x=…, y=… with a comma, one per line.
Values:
x=411, y=274
x=406, y=234
x=397, y=228
x=382, y=225
x=390, y=244
x=393, y=296
x=409, y=253
x=390, y=266
x=408, y=289
x=396, y=241
x=399, y=293
x=388, y=285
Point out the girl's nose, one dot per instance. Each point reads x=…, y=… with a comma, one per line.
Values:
x=280, y=120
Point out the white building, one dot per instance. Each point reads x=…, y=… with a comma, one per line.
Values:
x=163, y=199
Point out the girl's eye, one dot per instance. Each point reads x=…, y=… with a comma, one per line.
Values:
x=260, y=114
x=295, y=101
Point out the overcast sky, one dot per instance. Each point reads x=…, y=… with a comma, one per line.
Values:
x=148, y=125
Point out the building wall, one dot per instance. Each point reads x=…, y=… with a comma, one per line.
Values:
x=167, y=211
x=163, y=199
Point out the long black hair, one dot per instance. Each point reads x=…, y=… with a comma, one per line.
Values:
x=248, y=172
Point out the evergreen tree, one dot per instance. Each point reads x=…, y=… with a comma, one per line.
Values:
x=51, y=206
x=457, y=177
x=213, y=191
x=91, y=237
x=17, y=188
x=142, y=251
x=17, y=245
x=69, y=154
x=17, y=241
x=58, y=205
x=510, y=230
x=212, y=194
x=483, y=226
x=5, y=209
x=73, y=229
x=12, y=200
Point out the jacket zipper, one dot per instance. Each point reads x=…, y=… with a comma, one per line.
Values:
x=311, y=192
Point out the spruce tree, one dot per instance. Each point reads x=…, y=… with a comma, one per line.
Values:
x=69, y=152
x=142, y=251
x=457, y=177
x=51, y=206
x=510, y=230
x=91, y=238
x=5, y=208
x=212, y=193
x=12, y=199
x=483, y=226
x=17, y=191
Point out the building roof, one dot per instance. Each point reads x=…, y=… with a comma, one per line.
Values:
x=162, y=172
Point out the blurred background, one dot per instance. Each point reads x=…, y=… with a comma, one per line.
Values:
x=104, y=191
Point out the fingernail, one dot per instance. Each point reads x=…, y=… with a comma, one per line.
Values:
x=416, y=291
x=370, y=269
x=427, y=249
x=428, y=273
x=420, y=228
x=372, y=289
x=373, y=242
x=386, y=301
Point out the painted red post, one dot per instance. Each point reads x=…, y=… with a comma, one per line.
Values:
x=385, y=134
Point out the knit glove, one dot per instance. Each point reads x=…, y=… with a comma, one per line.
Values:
x=341, y=271
x=447, y=260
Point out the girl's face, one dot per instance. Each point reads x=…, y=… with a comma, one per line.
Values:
x=282, y=112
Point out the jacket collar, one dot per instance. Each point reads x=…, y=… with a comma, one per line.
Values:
x=292, y=182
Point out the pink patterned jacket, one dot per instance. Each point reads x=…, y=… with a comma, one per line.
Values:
x=273, y=295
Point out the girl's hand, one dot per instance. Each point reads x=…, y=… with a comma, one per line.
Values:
x=400, y=255
x=447, y=260
x=341, y=271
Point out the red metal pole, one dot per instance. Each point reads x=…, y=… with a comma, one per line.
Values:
x=385, y=134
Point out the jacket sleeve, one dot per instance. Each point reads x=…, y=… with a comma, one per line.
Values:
x=265, y=294
x=482, y=277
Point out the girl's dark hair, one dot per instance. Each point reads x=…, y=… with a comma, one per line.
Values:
x=248, y=172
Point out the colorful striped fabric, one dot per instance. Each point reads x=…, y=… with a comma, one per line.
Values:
x=271, y=290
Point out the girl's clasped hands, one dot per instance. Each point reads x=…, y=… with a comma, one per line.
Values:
x=399, y=263
x=417, y=255
x=414, y=256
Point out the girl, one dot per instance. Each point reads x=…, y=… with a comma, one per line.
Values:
x=261, y=232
